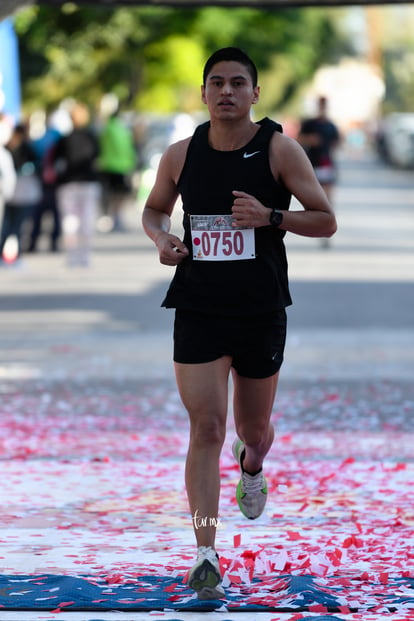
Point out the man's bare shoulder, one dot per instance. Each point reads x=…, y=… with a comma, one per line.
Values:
x=283, y=151
x=175, y=156
x=283, y=142
x=178, y=150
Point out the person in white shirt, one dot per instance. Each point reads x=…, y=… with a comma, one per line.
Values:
x=7, y=170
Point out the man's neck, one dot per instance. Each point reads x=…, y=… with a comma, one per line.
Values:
x=230, y=135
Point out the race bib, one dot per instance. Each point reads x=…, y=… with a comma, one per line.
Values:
x=215, y=239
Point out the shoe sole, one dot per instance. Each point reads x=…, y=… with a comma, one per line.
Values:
x=207, y=593
x=239, y=494
x=236, y=453
x=205, y=582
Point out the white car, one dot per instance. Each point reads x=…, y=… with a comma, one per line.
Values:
x=398, y=139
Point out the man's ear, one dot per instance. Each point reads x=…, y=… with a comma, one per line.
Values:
x=256, y=94
x=203, y=94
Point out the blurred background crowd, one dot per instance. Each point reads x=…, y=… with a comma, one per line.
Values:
x=70, y=175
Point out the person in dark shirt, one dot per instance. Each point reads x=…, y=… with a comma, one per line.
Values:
x=230, y=289
x=319, y=136
x=74, y=158
x=43, y=146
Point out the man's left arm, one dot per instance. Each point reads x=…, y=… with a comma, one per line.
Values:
x=291, y=166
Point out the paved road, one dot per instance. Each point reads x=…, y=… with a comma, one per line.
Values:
x=353, y=312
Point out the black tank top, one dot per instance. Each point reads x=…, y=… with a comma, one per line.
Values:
x=251, y=286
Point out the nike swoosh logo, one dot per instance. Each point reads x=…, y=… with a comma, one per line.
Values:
x=246, y=155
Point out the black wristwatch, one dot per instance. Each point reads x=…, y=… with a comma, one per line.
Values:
x=276, y=217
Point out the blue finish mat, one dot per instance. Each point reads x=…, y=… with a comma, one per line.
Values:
x=151, y=593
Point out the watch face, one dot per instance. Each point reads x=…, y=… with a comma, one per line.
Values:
x=276, y=217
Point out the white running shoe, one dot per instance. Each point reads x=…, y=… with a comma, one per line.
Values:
x=205, y=576
x=251, y=492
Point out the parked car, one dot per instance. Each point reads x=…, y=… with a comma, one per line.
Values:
x=396, y=139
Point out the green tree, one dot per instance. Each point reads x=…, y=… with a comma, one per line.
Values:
x=399, y=80
x=152, y=57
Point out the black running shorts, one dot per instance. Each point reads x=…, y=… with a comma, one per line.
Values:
x=256, y=343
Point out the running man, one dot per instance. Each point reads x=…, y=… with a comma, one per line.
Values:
x=230, y=288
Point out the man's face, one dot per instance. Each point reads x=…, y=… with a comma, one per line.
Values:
x=228, y=91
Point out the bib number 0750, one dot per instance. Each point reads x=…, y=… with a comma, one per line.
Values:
x=215, y=239
x=226, y=242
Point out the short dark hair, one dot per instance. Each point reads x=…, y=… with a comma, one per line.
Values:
x=231, y=54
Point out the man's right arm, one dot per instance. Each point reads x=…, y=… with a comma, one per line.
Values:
x=160, y=204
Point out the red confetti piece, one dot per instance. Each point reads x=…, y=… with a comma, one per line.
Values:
x=317, y=608
x=63, y=605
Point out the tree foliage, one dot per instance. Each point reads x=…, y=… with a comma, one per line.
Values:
x=152, y=57
x=399, y=80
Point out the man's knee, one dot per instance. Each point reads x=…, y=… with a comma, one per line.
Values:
x=208, y=432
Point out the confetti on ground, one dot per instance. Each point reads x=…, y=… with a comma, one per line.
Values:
x=93, y=477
